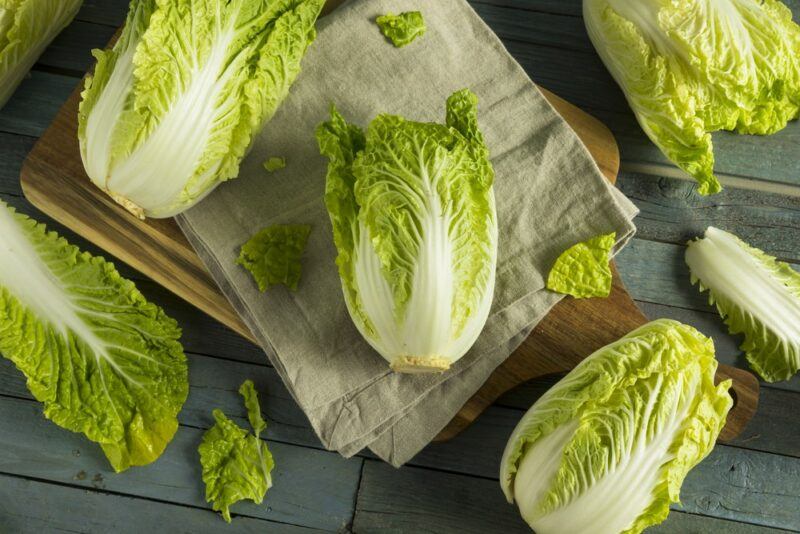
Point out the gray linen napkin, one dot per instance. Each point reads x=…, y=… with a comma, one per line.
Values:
x=550, y=195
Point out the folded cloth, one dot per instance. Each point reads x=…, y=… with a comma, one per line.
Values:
x=550, y=195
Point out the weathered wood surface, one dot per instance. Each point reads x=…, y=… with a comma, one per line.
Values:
x=33, y=507
x=723, y=500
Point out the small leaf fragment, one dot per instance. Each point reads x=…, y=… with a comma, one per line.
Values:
x=583, y=270
x=273, y=255
x=274, y=164
x=402, y=29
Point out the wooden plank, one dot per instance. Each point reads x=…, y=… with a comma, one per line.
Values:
x=214, y=383
x=419, y=500
x=657, y=272
x=34, y=507
x=71, y=50
x=108, y=12
x=311, y=488
x=35, y=103
x=536, y=28
x=13, y=150
x=423, y=501
x=558, y=7
x=671, y=212
x=683, y=523
x=753, y=487
x=476, y=452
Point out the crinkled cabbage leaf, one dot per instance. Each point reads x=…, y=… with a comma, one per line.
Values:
x=273, y=255
x=26, y=28
x=413, y=214
x=175, y=105
x=584, y=270
x=402, y=29
x=103, y=360
x=274, y=164
x=756, y=295
x=692, y=67
x=606, y=450
x=236, y=464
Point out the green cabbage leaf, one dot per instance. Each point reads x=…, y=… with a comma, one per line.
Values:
x=413, y=214
x=606, y=450
x=236, y=464
x=274, y=164
x=692, y=67
x=174, y=106
x=273, y=255
x=402, y=29
x=26, y=28
x=756, y=295
x=584, y=269
x=103, y=360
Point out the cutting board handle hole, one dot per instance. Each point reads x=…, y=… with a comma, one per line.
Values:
x=734, y=396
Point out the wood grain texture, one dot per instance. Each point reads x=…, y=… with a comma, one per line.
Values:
x=35, y=507
x=312, y=488
x=419, y=500
x=672, y=212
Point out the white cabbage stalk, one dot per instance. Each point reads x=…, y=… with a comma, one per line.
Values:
x=756, y=295
x=26, y=28
x=606, y=450
x=413, y=214
x=174, y=106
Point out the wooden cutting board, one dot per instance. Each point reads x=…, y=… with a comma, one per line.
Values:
x=53, y=179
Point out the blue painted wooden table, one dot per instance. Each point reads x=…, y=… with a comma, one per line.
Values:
x=52, y=480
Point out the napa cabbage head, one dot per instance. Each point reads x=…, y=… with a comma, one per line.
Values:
x=26, y=28
x=606, y=450
x=413, y=214
x=174, y=106
x=692, y=67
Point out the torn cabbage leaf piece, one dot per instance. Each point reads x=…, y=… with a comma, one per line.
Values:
x=274, y=164
x=175, y=105
x=584, y=270
x=607, y=448
x=756, y=295
x=402, y=29
x=414, y=222
x=692, y=67
x=103, y=360
x=273, y=255
x=236, y=464
x=26, y=28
